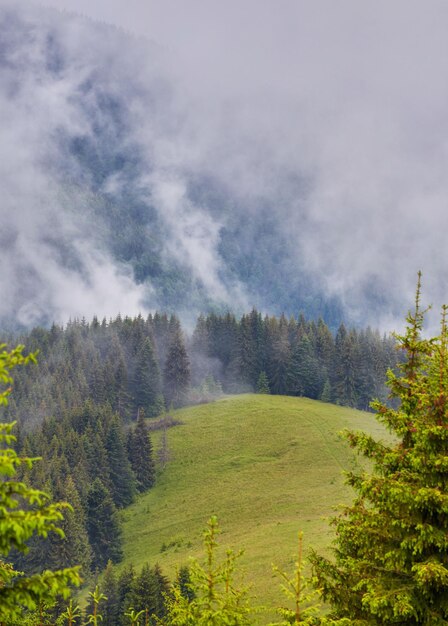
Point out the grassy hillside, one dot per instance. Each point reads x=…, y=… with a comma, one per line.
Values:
x=267, y=466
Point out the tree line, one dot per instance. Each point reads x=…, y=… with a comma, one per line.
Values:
x=97, y=466
x=83, y=407
x=293, y=357
x=136, y=363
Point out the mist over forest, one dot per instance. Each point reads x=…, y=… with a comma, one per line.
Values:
x=139, y=175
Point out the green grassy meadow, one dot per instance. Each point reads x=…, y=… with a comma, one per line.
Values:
x=267, y=466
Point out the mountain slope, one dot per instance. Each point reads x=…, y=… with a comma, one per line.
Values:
x=105, y=202
x=266, y=466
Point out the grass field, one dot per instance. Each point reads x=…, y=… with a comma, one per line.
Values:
x=267, y=466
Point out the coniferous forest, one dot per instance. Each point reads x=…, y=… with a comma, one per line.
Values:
x=210, y=214
x=393, y=536
x=84, y=409
x=151, y=365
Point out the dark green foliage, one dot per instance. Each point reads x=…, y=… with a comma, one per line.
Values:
x=140, y=453
x=117, y=363
x=148, y=591
x=147, y=382
x=183, y=582
x=129, y=594
x=263, y=383
x=111, y=606
x=121, y=475
x=344, y=378
x=326, y=394
x=74, y=547
x=103, y=526
x=176, y=374
x=96, y=455
x=304, y=375
x=25, y=512
x=141, y=598
x=391, y=548
x=251, y=348
x=126, y=581
x=280, y=359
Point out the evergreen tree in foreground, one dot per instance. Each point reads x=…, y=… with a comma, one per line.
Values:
x=215, y=598
x=24, y=512
x=391, y=550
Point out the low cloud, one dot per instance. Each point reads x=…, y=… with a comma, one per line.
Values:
x=53, y=263
x=329, y=119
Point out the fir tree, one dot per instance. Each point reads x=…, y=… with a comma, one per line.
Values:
x=103, y=526
x=216, y=599
x=304, y=377
x=147, y=383
x=121, y=475
x=176, y=372
x=250, y=347
x=280, y=360
x=391, y=557
x=111, y=606
x=141, y=456
x=263, y=383
x=125, y=589
x=183, y=582
x=325, y=396
x=148, y=591
x=18, y=525
x=160, y=591
x=344, y=367
x=74, y=547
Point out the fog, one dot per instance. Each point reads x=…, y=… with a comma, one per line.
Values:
x=333, y=115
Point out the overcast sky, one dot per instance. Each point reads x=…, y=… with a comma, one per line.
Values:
x=352, y=95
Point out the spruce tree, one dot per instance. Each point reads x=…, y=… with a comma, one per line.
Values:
x=147, y=382
x=121, y=475
x=176, y=372
x=183, y=582
x=391, y=546
x=111, y=606
x=140, y=453
x=343, y=380
x=304, y=376
x=74, y=547
x=263, y=383
x=250, y=342
x=126, y=581
x=25, y=512
x=280, y=356
x=148, y=589
x=96, y=457
x=160, y=590
x=216, y=600
x=103, y=526
x=325, y=396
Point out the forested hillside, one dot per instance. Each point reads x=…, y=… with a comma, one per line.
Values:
x=150, y=364
x=83, y=407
